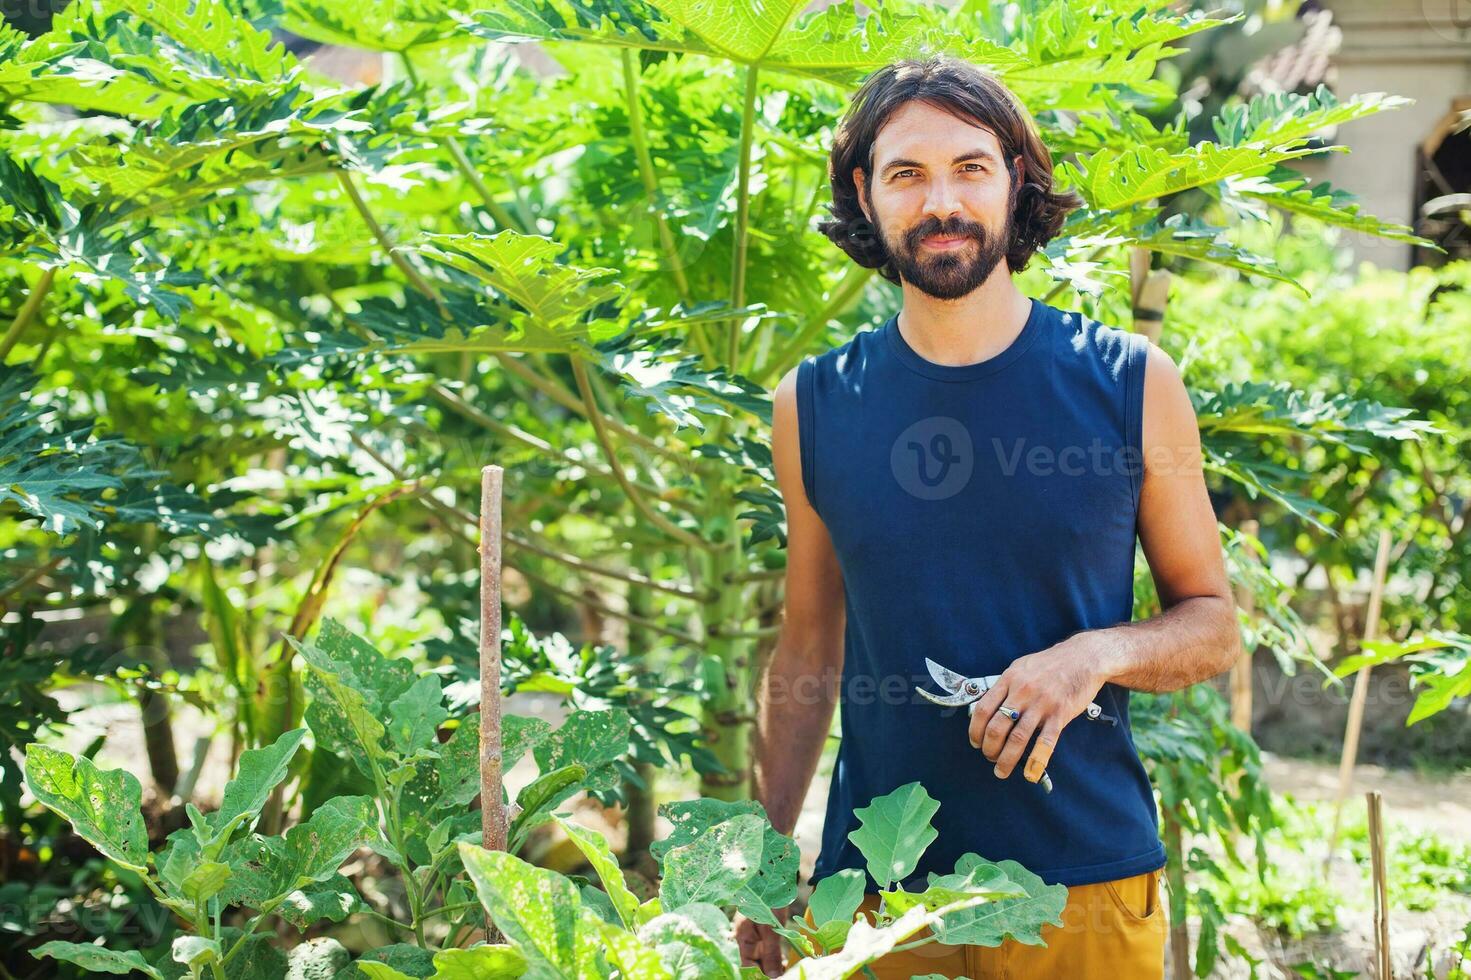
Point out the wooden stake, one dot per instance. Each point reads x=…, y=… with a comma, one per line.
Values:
x=492, y=811
x=1360, y=696
x=1381, y=883
x=1241, y=670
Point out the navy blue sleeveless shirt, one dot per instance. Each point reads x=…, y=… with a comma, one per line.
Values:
x=981, y=512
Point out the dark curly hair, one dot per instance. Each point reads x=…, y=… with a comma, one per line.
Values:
x=968, y=92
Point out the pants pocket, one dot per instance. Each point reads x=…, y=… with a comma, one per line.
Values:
x=1137, y=898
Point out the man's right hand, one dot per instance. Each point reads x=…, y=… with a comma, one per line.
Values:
x=760, y=945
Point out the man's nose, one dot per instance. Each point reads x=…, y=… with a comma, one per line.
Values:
x=943, y=200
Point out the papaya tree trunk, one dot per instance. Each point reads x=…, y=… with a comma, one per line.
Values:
x=157, y=714
x=726, y=715
x=642, y=802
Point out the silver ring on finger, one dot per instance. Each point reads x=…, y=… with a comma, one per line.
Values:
x=1009, y=712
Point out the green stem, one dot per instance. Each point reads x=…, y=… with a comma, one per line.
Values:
x=26, y=313
x=743, y=211
x=842, y=297
x=462, y=163
x=595, y=415
x=386, y=242
x=451, y=909
x=387, y=920
x=634, y=108
x=411, y=888
x=250, y=928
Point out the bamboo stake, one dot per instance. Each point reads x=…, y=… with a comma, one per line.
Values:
x=492, y=812
x=1360, y=696
x=1241, y=670
x=1381, y=884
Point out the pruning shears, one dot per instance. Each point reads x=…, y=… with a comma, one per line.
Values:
x=967, y=690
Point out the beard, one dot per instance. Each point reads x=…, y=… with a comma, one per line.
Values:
x=951, y=273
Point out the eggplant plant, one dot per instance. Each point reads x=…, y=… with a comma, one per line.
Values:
x=372, y=716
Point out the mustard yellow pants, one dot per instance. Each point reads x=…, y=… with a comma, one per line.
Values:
x=1112, y=930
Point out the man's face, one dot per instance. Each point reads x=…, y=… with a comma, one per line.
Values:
x=939, y=177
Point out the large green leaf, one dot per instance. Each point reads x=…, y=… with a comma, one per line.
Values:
x=386, y=25
x=415, y=715
x=715, y=866
x=104, y=806
x=624, y=950
x=484, y=962
x=774, y=883
x=537, y=910
x=895, y=830
x=1278, y=118
x=1115, y=178
x=1290, y=191
x=97, y=959
x=989, y=924
x=837, y=897
x=258, y=772
x=552, y=300
x=204, y=41
x=332, y=899
x=351, y=685
x=594, y=739
x=694, y=942
x=537, y=798
x=265, y=869
x=595, y=848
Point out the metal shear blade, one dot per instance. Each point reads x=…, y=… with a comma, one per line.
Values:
x=963, y=690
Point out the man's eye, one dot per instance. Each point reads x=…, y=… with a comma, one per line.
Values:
x=903, y=172
x=978, y=166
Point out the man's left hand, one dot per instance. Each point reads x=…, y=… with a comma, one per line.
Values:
x=1049, y=688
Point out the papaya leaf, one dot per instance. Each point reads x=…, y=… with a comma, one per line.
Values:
x=389, y=25
x=1289, y=190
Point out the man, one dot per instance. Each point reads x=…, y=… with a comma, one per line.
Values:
x=967, y=483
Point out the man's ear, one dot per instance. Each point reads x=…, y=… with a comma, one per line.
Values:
x=858, y=183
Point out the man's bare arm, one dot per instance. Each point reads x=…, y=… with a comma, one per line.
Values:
x=1196, y=636
x=798, y=692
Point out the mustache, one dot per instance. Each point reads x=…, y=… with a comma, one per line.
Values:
x=958, y=230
